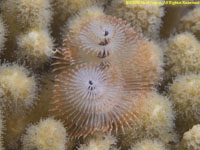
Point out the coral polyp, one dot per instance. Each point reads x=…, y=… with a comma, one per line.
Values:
x=183, y=57
x=148, y=144
x=191, y=22
x=35, y=46
x=100, y=142
x=90, y=98
x=65, y=8
x=75, y=22
x=190, y=140
x=184, y=93
x=144, y=18
x=34, y=13
x=46, y=135
x=17, y=86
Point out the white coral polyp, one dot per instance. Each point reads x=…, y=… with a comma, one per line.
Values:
x=100, y=142
x=34, y=13
x=17, y=87
x=48, y=134
x=191, y=139
x=148, y=144
x=35, y=45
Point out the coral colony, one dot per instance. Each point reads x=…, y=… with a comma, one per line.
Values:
x=99, y=75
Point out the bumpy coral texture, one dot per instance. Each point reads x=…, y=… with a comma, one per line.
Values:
x=99, y=142
x=48, y=134
x=191, y=139
x=144, y=18
x=182, y=57
x=191, y=22
x=158, y=118
x=34, y=13
x=28, y=13
x=8, y=8
x=155, y=121
x=35, y=46
x=70, y=7
x=158, y=115
x=18, y=86
x=184, y=93
x=2, y=33
x=148, y=144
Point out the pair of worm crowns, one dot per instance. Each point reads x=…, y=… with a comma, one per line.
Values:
x=103, y=70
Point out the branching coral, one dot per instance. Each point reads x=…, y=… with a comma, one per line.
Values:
x=191, y=139
x=155, y=121
x=34, y=13
x=106, y=73
x=158, y=117
x=100, y=142
x=46, y=135
x=2, y=33
x=184, y=93
x=28, y=13
x=149, y=145
x=182, y=57
x=191, y=22
x=17, y=86
x=144, y=18
x=35, y=46
x=66, y=8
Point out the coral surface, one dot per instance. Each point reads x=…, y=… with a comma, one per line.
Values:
x=99, y=142
x=47, y=134
x=104, y=73
x=191, y=22
x=182, y=56
x=17, y=86
x=149, y=145
x=191, y=139
x=144, y=18
x=36, y=46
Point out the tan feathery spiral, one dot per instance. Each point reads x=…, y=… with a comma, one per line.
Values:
x=89, y=99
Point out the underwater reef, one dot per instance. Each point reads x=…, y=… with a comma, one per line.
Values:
x=99, y=75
